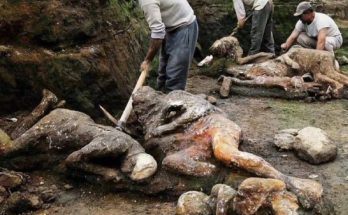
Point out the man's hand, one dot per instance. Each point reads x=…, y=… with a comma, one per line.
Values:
x=284, y=46
x=241, y=23
x=145, y=65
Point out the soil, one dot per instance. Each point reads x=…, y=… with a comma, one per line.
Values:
x=260, y=119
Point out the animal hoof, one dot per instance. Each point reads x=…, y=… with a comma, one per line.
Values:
x=145, y=166
x=308, y=192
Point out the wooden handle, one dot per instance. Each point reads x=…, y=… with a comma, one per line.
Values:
x=129, y=106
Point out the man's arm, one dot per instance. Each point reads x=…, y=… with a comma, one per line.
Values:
x=322, y=38
x=240, y=12
x=155, y=45
x=291, y=39
x=153, y=17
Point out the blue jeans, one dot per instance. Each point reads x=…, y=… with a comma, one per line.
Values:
x=176, y=56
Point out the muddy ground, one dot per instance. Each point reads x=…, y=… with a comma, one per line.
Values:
x=260, y=119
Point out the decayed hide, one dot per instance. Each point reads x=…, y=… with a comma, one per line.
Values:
x=189, y=137
x=62, y=132
x=229, y=47
x=191, y=132
x=299, y=70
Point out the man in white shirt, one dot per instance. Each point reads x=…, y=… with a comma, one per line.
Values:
x=262, y=21
x=174, y=30
x=314, y=30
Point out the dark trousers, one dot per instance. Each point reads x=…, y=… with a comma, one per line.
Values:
x=176, y=56
x=261, y=31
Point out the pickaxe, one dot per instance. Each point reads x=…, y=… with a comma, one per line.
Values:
x=120, y=124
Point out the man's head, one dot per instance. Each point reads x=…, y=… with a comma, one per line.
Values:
x=305, y=12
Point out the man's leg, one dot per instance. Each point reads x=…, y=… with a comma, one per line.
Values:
x=259, y=22
x=306, y=42
x=180, y=48
x=163, y=59
x=332, y=43
x=268, y=40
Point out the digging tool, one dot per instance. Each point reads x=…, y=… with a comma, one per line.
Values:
x=225, y=45
x=120, y=124
x=235, y=30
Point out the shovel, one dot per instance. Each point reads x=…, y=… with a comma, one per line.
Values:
x=120, y=124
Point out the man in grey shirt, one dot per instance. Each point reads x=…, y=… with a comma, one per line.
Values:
x=262, y=21
x=314, y=30
x=174, y=30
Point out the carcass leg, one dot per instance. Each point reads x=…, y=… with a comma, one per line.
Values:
x=225, y=140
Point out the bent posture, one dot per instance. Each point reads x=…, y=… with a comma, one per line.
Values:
x=174, y=29
x=314, y=30
x=262, y=20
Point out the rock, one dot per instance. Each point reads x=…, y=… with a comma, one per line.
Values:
x=68, y=187
x=284, y=203
x=221, y=199
x=20, y=193
x=336, y=9
x=325, y=207
x=145, y=166
x=10, y=179
x=193, y=203
x=253, y=192
x=313, y=145
x=310, y=144
x=203, y=96
x=22, y=202
x=5, y=140
x=256, y=193
x=285, y=139
x=225, y=87
x=212, y=100
x=3, y=194
x=313, y=176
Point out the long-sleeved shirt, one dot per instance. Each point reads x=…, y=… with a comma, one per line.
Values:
x=239, y=6
x=162, y=15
